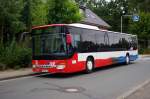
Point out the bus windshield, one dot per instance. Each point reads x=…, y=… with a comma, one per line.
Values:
x=49, y=41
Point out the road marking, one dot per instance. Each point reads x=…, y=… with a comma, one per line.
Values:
x=133, y=90
x=31, y=76
x=72, y=90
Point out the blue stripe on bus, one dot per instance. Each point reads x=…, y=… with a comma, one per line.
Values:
x=133, y=57
x=123, y=58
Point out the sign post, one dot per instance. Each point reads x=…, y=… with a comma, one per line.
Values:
x=135, y=18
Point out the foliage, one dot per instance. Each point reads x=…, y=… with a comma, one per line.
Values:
x=63, y=11
x=17, y=16
x=39, y=12
x=144, y=51
x=110, y=11
x=9, y=19
x=15, y=56
x=142, y=27
x=26, y=14
x=34, y=13
x=139, y=5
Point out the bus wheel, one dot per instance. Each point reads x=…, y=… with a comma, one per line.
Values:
x=89, y=65
x=127, y=60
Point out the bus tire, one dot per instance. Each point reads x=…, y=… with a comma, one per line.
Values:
x=127, y=60
x=89, y=65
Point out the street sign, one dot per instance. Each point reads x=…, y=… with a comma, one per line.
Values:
x=135, y=18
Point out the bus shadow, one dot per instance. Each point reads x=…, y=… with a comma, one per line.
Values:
x=62, y=75
x=82, y=73
x=108, y=67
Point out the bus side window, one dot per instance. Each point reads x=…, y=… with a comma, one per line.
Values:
x=77, y=39
x=75, y=33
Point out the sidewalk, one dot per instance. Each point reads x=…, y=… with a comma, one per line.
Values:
x=142, y=93
x=148, y=55
x=8, y=74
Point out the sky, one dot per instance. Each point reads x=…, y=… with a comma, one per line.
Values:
x=109, y=0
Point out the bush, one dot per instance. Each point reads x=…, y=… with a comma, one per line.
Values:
x=15, y=56
x=144, y=51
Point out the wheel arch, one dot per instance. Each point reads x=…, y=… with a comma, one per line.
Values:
x=92, y=58
x=127, y=54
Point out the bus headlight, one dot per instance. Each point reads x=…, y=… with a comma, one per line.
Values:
x=60, y=66
x=34, y=66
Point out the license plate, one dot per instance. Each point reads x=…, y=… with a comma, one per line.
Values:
x=44, y=70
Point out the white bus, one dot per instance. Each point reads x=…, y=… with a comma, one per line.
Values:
x=67, y=48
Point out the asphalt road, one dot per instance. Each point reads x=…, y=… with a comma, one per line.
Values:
x=104, y=83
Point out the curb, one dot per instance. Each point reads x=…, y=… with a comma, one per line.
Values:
x=133, y=90
x=19, y=76
x=144, y=55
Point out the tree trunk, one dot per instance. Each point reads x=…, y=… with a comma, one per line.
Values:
x=1, y=34
x=148, y=43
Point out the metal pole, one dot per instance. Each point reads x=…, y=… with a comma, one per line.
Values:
x=121, y=23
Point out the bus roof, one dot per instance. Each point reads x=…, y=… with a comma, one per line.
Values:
x=95, y=28
x=79, y=25
x=45, y=26
x=117, y=32
x=84, y=26
x=73, y=24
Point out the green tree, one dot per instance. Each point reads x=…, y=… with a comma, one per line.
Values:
x=26, y=14
x=142, y=27
x=139, y=5
x=10, y=19
x=34, y=13
x=39, y=12
x=111, y=12
x=63, y=11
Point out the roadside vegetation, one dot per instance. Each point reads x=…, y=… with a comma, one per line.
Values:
x=14, y=56
x=145, y=51
x=18, y=16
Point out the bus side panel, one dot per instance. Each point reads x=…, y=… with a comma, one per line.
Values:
x=73, y=65
x=100, y=58
x=103, y=62
x=133, y=57
x=108, y=58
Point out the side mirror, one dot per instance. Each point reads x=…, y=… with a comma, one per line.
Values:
x=23, y=35
x=68, y=38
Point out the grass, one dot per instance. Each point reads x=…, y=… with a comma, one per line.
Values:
x=144, y=51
